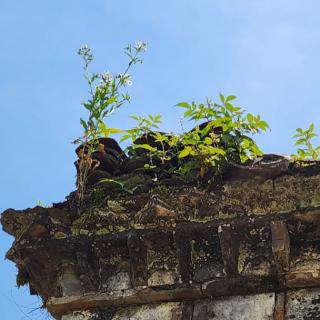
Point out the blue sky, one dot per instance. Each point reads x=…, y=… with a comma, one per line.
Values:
x=266, y=52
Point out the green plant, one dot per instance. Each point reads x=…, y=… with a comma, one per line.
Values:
x=225, y=132
x=201, y=149
x=41, y=204
x=224, y=135
x=306, y=150
x=143, y=127
x=156, y=145
x=107, y=94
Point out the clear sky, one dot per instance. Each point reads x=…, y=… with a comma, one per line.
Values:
x=264, y=51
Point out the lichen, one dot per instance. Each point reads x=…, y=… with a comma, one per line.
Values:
x=59, y=235
x=102, y=231
x=115, y=206
x=84, y=232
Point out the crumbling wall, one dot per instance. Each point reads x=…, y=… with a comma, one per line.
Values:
x=241, y=250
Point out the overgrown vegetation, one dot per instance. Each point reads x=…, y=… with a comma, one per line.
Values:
x=223, y=135
x=223, y=132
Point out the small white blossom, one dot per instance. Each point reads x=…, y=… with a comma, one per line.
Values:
x=86, y=53
x=140, y=46
x=106, y=77
x=125, y=79
x=84, y=48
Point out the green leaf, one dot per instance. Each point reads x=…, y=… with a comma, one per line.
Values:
x=230, y=107
x=125, y=137
x=301, y=153
x=311, y=127
x=88, y=106
x=315, y=155
x=111, y=100
x=208, y=141
x=158, y=136
x=250, y=117
x=222, y=99
x=114, y=130
x=188, y=113
x=185, y=152
x=218, y=151
x=148, y=122
x=312, y=135
x=230, y=98
x=157, y=118
x=146, y=147
x=84, y=124
x=135, y=118
x=263, y=125
x=112, y=181
x=149, y=166
x=183, y=105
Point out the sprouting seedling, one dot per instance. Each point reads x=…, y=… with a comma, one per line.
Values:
x=306, y=150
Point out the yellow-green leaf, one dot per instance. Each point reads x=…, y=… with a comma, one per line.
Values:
x=114, y=130
x=185, y=152
x=208, y=141
x=146, y=147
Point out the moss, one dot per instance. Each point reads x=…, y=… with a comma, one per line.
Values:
x=244, y=253
x=82, y=219
x=119, y=212
x=84, y=232
x=162, y=259
x=102, y=231
x=161, y=189
x=59, y=235
x=132, y=181
x=115, y=206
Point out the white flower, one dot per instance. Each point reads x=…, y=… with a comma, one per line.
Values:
x=140, y=46
x=84, y=48
x=125, y=79
x=85, y=51
x=106, y=77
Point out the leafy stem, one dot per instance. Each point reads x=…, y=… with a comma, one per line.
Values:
x=105, y=98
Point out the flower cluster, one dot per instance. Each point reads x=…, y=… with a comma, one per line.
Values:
x=125, y=79
x=140, y=46
x=106, y=77
x=84, y=50
x=86, y=53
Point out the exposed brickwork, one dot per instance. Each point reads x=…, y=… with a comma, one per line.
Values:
x=243, y=250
